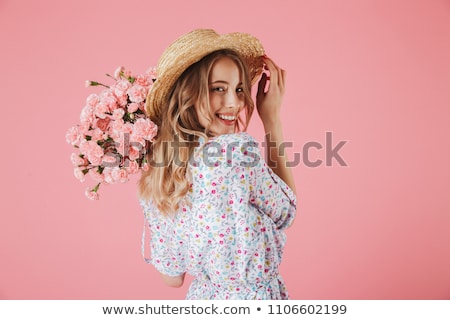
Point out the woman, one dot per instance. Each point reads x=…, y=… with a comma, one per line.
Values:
x=214, y=207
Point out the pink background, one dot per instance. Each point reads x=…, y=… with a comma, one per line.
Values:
x=375, y=73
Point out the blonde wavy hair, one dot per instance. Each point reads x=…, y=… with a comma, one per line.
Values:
x=166, y=182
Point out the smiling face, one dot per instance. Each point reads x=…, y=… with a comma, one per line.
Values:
x=226, y=98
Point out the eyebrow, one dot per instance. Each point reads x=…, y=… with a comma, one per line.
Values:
x=223, y=81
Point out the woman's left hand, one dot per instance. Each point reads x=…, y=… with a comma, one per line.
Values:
x=268, y=103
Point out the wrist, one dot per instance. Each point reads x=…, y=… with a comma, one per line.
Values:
x=272, y=125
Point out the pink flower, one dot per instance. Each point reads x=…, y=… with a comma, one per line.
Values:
x=79, y=174
x=137, y=93
x=89, y=147
x=77, y=160
x=144, y=128
x=110, y=100
x=92, y=100
x=132, y=107
x=122, y=100
x=112, y=134
x=127, y=128
x=83, y=127
x=143, y=80
x=121, y=87
x=134, y=152
x=116, y=126
x=102, y=124
x=96, y=176
x=95, y=134
x=107, y=175
x=101, y=109
x=94, y=160
x=118, y=114
x=133, y=167
x=137, y=140
x=118, y=72
x=92, y=151
x=152, y=73
x=119, y=174
x=91, y=194
x=87, y=114
x=115, y=129
x=73, y=136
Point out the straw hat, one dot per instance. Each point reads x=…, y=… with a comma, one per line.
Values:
x=191, y=48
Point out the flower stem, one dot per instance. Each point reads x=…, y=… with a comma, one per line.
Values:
x=95, y=83
x=95, y=189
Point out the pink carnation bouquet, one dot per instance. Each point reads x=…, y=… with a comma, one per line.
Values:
x=114, y=131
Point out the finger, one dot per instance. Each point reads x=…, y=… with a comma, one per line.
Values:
x=283, y=80
x=261, y=86
x=271, y=61
x=273, y=70
x=279, y=71
x=279, y=76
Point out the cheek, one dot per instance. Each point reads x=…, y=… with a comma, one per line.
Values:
x=214, y=103
x=241, y=105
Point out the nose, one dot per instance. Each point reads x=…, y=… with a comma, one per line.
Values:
x=232, y=100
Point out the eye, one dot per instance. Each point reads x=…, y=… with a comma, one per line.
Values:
x=240, y=90
x=218, y=89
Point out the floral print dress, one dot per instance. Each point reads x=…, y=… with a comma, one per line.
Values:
x=230, y=236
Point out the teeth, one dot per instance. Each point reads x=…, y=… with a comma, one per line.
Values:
x=224, y=117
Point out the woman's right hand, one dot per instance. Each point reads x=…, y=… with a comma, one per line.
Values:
x=268, y=103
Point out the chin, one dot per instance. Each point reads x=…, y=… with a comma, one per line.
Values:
x=219, y=130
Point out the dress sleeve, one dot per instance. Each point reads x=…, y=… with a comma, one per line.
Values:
x=267, y=192
x=167, y=245
x=273, y=196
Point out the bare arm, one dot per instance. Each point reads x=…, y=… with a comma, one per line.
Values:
x=269, y=104
x=175, y=282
